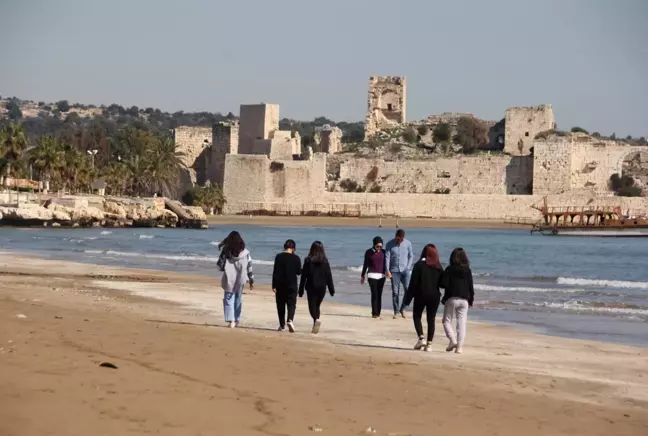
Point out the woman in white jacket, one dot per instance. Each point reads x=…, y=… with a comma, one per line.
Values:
x=236, y=263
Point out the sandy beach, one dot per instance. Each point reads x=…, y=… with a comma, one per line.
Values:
x=180, y=371
x=388, y=222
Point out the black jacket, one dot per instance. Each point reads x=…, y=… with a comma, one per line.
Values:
x=316, y=276
x=424, y=283
x=458, y=283
x=287, y=266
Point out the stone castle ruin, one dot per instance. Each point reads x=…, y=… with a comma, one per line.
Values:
x=264, y=170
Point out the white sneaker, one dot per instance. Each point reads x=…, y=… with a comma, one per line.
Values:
x=230, y=324
x=458, y=350
x=316, y=327
x=281, y=329
x=291, y=327
x=420, y=344
x=428, y=347
x=451, y=346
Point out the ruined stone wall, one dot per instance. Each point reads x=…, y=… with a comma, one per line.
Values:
x=224, y=141
x=552, y=165
x=282, y=145
x=386, y=103
x=256, y=123
x=481, y=174
x=246, y=177
x=522, y=124
x=191, y=141
x=328, y=138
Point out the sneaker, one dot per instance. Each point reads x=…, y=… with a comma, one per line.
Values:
x=451, y=346
x=281, y=329
x=236, y=323
x=230, y=324
x=420, y=344
x=402, y=313
x=428, y=346
x=458, y=350
x=291, y=327
x=395, y=316
x=316, y=327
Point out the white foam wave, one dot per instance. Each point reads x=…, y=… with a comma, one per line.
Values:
x=493, y=288
x=146, y=236
x=212, y=259
x=354, y=268
x=106, y=232
x=572, y=281
x=577, y=307
x=214, y=243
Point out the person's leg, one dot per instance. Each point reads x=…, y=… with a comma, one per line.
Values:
x=373, y=288
x=395, y=285
x=281, y=308
x=238, y=305
x=310, y=295
x=431, y=307
x=291, y=301
x=379, y=290
x=417, y=314
x=228, y=306
x=319, y=297
x=462, y=317
x=448, y=316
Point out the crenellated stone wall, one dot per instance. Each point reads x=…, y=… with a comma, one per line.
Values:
x=479, y=174
x=386, y=103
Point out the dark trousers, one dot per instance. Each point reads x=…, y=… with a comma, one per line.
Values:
x=430, y=304
x=376, y=287
x=315, y=298
x=286, y=298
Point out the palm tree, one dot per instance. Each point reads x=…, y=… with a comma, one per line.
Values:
x=13, y=143
x=48, y=157
x=164, y=163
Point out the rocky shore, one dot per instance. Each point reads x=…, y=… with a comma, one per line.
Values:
x=94, y=211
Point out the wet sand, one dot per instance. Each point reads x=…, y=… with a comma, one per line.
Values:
x=389, y=222
x=180, y=371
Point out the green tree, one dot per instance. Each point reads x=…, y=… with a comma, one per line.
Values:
x=579, y=130
x=48, y=158
x=209, y=197
x=441, y=133
x=13, y=110
x=613, y=136
x=163, y=165
x=409, y=135
x=471, y=133
x=13, y=144
x=63, y=106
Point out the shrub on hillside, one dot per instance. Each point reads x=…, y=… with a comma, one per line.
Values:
x=579, y=130
x=409, y=135
x=441, y=133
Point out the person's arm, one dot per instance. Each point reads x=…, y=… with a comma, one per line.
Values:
x=388, y=258
x=304, y=276
x=329, y=280
x=250, y=273
x=298, y=264
x=413, y=285
x=275, y=274
x=365, y=267
x=410, y=256
x=471, y=289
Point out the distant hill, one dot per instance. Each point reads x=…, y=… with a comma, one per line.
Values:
x=64, y=119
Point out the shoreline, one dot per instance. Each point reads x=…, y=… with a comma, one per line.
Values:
x=374, y=222
x=164, y=331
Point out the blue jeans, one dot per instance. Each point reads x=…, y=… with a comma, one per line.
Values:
x=397, y=279
x=232, y=305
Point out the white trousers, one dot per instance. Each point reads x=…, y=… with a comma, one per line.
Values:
x=455, y=307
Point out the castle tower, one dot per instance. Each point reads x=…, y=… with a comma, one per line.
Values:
x=386, y=103
x=522, y=124
x=257, y=122
x=225, y=140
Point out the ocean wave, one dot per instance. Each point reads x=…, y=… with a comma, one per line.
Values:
x=105, y=232
x=214, y=243
x=495, y=288
x=573, y=281
x=146, y=236
x=613, y=309
x=193, y=258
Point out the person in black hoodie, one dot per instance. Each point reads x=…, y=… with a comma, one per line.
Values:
x=315, y=278
x=459, y=295
x=287, y=266
x=424, y=289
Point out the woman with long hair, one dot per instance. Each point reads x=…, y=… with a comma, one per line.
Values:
x=459, y=295
x=424, y=290
x=237, y=271
x=315, y=278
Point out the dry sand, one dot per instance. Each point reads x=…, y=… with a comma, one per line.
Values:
x=180, y=372
x=389, y=222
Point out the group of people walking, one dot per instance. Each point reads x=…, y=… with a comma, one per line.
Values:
x=421, y=279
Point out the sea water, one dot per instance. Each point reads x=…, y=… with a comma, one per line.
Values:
x=591, y=288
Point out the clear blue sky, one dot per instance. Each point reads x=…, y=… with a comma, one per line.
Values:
x=589, y=58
